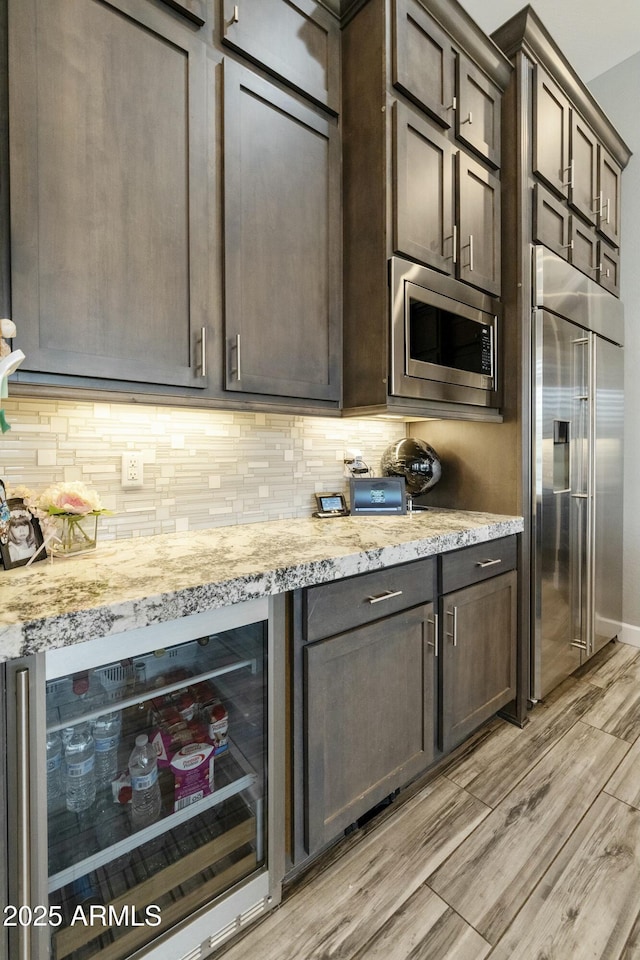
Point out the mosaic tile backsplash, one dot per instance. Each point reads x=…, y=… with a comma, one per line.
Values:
x=201, y=468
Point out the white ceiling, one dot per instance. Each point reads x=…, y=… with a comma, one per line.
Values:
x=594, y=35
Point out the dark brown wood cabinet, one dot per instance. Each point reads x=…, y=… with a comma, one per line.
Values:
x=446, y=205
x=296, y=40
x=176, y=216
x=108, y=168
x=369, y=716
x=478, y=636
x=422, y=93
x=572, y=162
x=363, y=675
x=477, y=655
x=282, y=250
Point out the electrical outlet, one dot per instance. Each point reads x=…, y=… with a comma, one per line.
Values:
x=132, y=471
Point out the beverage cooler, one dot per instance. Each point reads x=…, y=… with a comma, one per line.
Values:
x=167, y=851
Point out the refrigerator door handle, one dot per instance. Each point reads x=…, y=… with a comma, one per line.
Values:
x=23, y=779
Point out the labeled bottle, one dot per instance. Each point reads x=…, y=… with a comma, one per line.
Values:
x=106, y=734
x=80, y=757
x=146, y=801
x=54, y=766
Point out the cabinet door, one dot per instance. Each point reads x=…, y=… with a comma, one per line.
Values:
x=550, y=222
x=609, y=175
x=282, y=242
x=478, y=655
x=478, y=111
x=297, y=41
x=609, y=267
x=478, y=225
x=423, y=60
x=369, y=718
x=583, y=168
x=583, y=250
x=423, y=197
x=108, y=190
x=551, y=115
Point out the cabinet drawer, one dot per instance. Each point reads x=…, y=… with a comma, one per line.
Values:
x=332, y=608
x=473, y=564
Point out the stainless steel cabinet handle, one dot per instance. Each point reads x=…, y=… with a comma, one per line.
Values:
x=238, y=373
x=433, y=621
x=454, y=635
x=580, y=496
x=606, y=204
x=567, y=246
x=24, y=803
x=203, y=351
x=570, y=181
x=455, y=243
x=470, y=251
x=236, y=14
x=488, y=563
x=468, y=119
x=385, y=596
x=453, y=105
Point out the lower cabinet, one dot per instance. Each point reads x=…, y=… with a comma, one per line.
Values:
x=391, y=670
x=369, y=718
x=477, y=655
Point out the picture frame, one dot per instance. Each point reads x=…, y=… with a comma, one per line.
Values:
x=23, y=541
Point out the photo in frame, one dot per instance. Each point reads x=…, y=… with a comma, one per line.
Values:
x=21, y=539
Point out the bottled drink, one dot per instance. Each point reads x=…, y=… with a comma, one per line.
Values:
x=106, y=734
x=79, y=753
x=54, y=766
x=145, y=789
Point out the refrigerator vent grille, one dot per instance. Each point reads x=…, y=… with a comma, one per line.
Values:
x=252, y=913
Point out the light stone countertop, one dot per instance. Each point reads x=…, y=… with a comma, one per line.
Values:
x=131, y=583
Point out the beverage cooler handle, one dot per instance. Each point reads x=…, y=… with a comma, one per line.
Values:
x=24, y=805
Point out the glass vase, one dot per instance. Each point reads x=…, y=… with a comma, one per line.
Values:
x=74, y=534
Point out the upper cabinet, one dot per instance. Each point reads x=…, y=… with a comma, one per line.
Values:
x=297, y=40
x=573, y=159
x=175, y=214
x=422, y=100
x=108, y=170
x=282, y=250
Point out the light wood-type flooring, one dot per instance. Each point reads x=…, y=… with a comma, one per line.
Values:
x=526, y=846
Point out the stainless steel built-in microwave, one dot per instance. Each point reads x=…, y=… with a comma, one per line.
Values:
x=444, y=339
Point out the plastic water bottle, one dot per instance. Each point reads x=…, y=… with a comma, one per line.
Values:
x=80, y=756
x=106, y=734
x=54, y=766
x=146, y=800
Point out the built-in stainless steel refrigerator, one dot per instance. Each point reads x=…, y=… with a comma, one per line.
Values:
x=578, y=462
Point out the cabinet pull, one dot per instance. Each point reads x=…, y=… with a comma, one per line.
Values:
x=570, y=182
x=468, y=119
x=453, y=105
x=607, y=204
x=567, y=246
x=455, y=243
x=470, y=251
x=433, y=621
x=387, y=595
x=24, y=802
x=203, y=351
x=238, y=373
x=488, y=563
x=454, y=616
x=236, y=14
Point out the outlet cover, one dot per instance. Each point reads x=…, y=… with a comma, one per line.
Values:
x=132, y=471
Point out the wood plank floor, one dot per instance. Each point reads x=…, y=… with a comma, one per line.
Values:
x=526, y=846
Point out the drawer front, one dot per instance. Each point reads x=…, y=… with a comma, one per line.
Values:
x=332, y=608
x=474, y=564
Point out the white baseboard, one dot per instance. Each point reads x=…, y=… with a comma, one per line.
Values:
x=629, y=634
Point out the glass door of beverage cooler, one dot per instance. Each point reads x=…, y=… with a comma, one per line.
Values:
x=135, y=853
